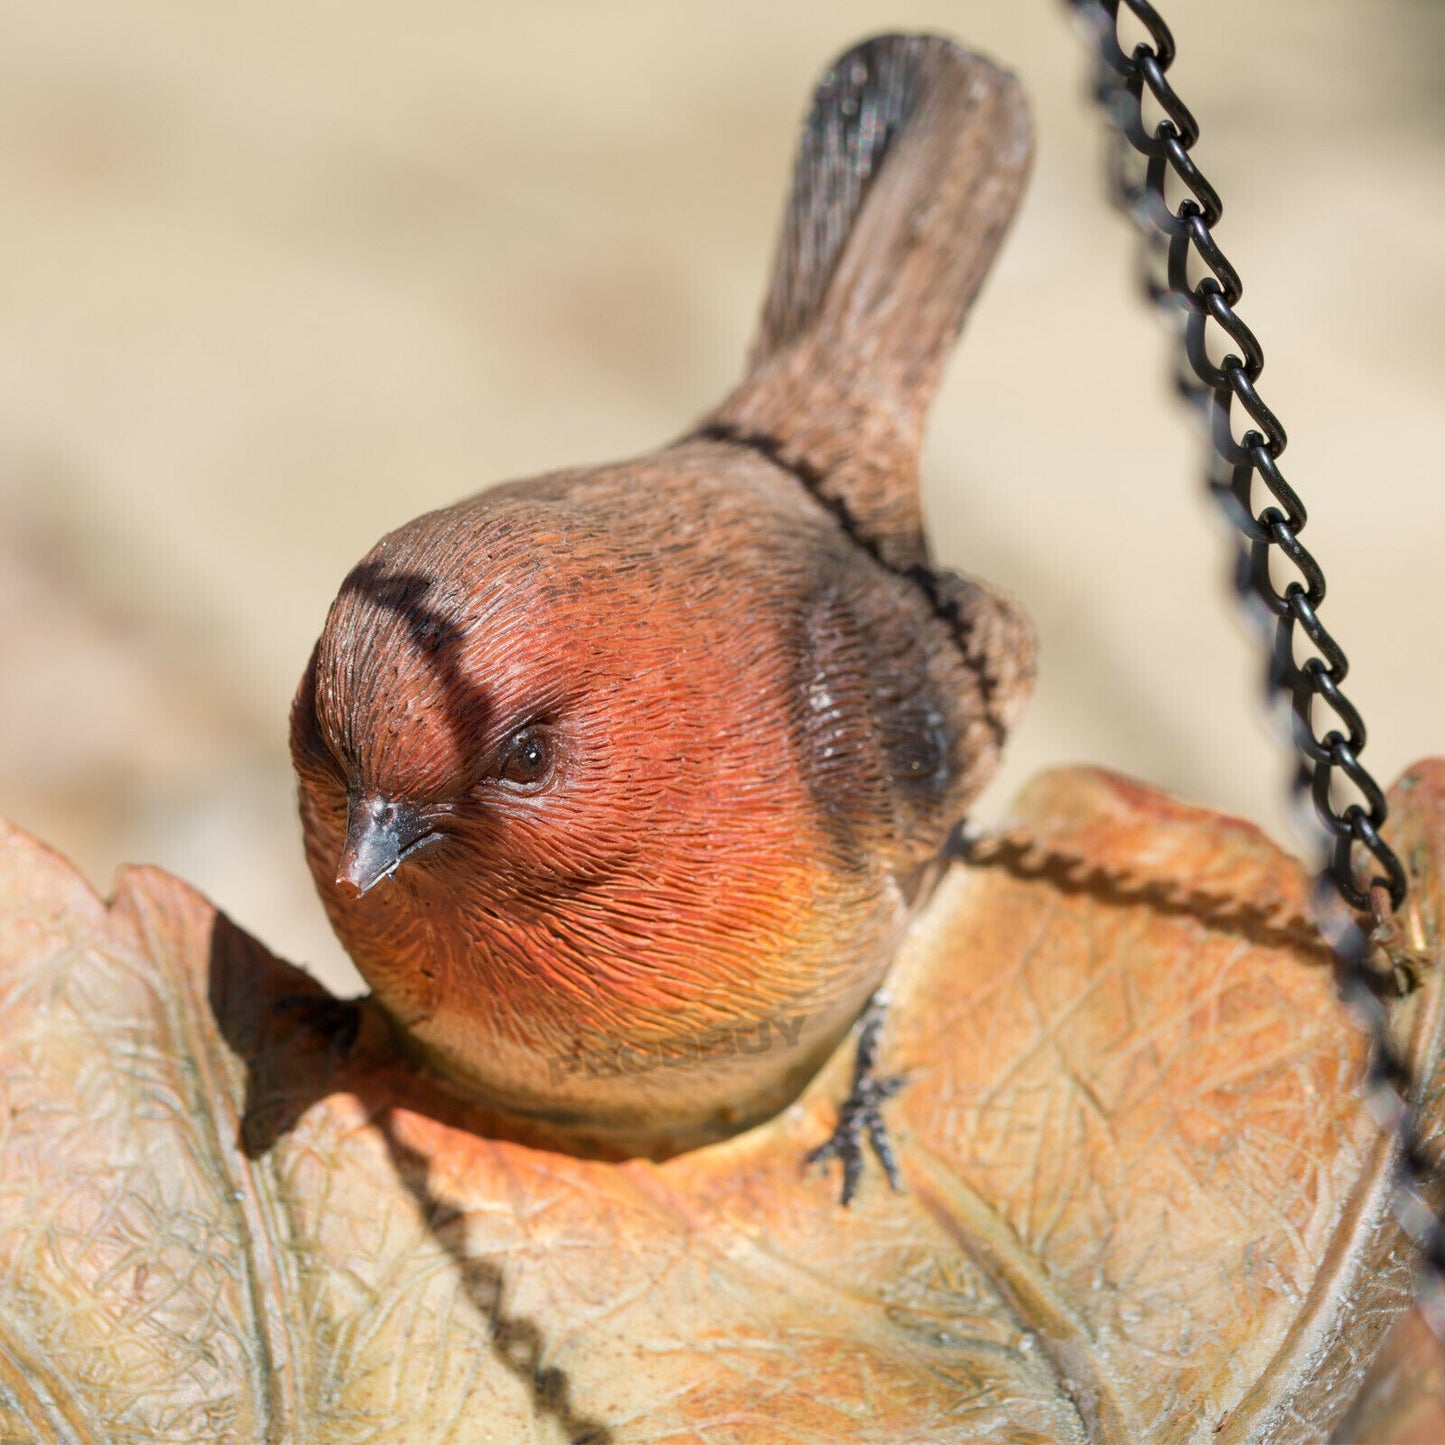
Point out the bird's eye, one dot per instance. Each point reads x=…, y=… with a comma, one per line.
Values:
x=526, y=759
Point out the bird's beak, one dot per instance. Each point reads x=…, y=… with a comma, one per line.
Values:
x=380, y=834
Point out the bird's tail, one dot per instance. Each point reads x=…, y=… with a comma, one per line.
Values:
x=911, y=165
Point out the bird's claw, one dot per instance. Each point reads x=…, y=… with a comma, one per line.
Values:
x=861, y=1112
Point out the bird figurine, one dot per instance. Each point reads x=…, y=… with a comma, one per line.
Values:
x=622, y=784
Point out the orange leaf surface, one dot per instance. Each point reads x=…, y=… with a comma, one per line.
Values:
x=1142, y=1200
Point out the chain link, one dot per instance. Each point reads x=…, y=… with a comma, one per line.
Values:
x=1349, y=835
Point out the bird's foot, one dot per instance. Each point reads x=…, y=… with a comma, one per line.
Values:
x=862, y=1111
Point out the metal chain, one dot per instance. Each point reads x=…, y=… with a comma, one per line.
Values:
x=1349, y=835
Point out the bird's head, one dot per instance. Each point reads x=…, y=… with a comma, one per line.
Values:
x=489, y=703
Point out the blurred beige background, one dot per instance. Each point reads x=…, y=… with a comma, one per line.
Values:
x=277, y=275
